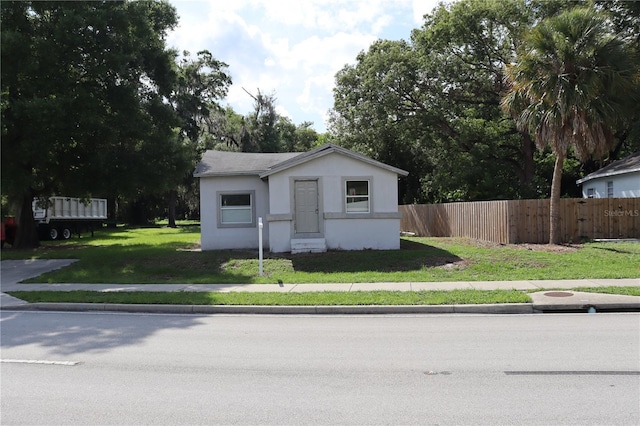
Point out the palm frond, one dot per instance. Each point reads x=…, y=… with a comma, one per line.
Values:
x=572, y=83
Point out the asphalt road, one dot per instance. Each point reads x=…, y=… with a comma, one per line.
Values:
x=97, y=368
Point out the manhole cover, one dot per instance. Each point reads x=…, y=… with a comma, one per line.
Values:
x=558, y=294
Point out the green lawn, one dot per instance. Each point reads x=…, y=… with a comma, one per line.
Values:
x=331, y=298
x=165, y=255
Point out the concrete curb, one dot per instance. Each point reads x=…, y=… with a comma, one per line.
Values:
x=497, y=308
x=504, y=308
x=599, y=307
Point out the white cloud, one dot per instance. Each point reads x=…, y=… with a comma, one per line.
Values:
x=291, y=47
x=283, y=112
x=316, y=94
x=325, y=15
x=422, y=7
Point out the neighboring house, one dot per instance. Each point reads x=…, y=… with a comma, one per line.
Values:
x=327, y=198
x=620, y=179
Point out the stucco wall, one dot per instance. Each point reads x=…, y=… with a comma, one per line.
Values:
x=361, y=234
x=280, y=238
x=624, y=186
x=378, y=230
x=216, y=238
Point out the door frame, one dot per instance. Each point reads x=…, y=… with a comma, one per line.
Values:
x=320, y=233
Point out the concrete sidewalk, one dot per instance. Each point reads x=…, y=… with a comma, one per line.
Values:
x=14, y=271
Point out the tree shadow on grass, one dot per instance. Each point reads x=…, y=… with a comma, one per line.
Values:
x=189, y=228
x=141, y=264
x=412, y=256
x=615, y=250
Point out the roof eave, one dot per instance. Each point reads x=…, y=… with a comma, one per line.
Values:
x=597, y=175
x=220, y=174
x=326, y=150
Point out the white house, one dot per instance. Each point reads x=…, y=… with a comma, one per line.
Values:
x=326, y=198
x=620, y=179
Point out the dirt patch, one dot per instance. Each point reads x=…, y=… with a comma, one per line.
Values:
x=551, y=248
x=454, y=265
x=441, y=262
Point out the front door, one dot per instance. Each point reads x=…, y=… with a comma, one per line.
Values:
x=306, y=204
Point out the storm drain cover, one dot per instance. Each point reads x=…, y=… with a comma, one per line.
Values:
x=558, y=294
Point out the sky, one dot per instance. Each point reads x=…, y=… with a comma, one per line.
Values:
x=290, y=48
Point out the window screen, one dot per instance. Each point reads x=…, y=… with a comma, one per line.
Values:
x=235, y=209
x=357, y=196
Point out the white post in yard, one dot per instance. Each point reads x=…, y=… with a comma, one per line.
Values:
x=260, y=244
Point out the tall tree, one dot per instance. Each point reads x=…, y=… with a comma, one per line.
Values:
x=573, y=84
x=297, y=138
x=625, y=17
x=380, y=112
x=200, y=85
x=262, y=130
x=260, y=133
x=432, y=104
x=81, y=85
x=202, y=82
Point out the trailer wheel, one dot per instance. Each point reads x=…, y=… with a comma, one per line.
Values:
x=53, y=233
x=66, y=233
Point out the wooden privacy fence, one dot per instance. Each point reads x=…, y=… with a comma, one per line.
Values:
x=525, y=221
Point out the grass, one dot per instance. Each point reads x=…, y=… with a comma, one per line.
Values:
x=453, y=297
x=326, y=298
x=165, y=255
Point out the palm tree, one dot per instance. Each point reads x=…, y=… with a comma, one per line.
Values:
x=571, y=87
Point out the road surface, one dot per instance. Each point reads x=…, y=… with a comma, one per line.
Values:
x=100, y=368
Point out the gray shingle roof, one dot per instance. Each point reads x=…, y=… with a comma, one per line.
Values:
x=225, y=163
x=626, y=165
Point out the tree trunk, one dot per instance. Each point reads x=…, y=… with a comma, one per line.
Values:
x=528, y=164
x=554, y=202
x=172, y=208
x=112, y=211
x=27, y=233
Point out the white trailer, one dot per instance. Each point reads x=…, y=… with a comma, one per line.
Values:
x=63, y=216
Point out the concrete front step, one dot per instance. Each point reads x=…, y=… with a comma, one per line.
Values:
x=308, y=245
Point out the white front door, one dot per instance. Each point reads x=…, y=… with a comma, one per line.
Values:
x=306, y=205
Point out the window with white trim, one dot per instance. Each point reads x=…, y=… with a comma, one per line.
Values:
x=357, y=196
x=591, y=192
x=236, y=209
x=610, y=189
